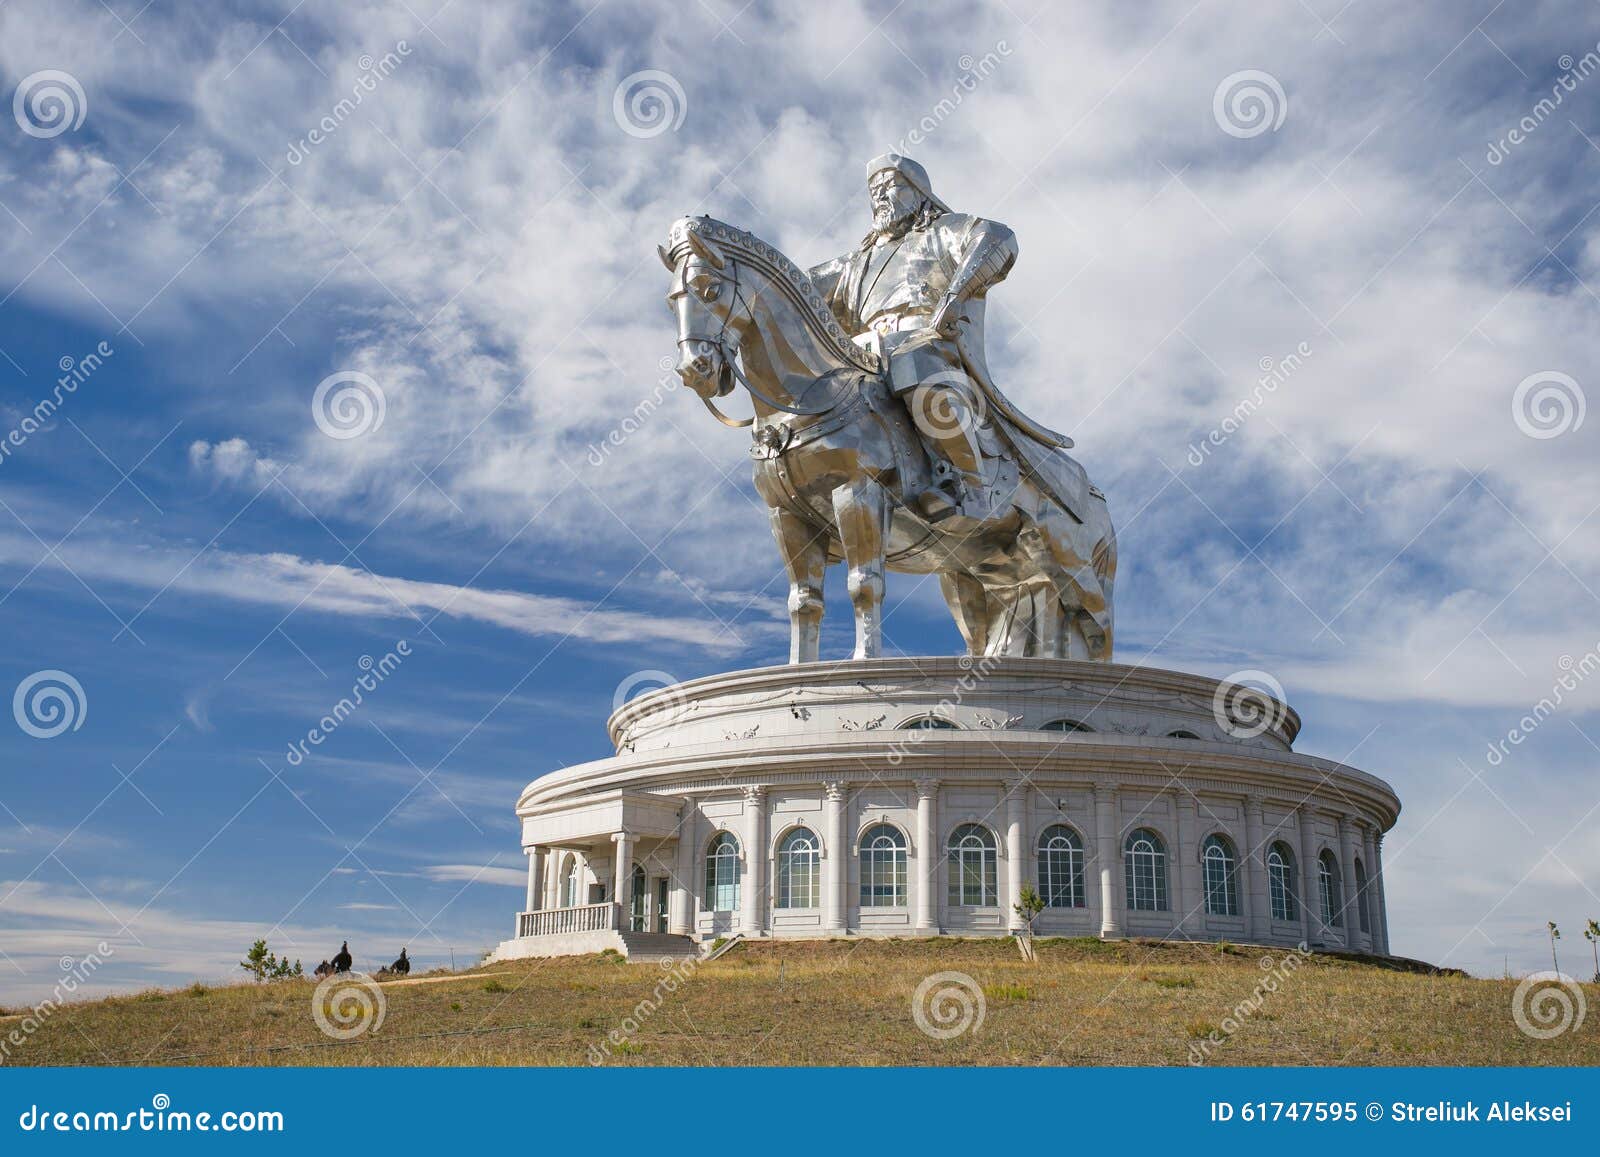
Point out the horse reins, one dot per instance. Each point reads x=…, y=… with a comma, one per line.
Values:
x=732, y=366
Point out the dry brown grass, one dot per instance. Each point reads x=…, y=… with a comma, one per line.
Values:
x=840, y=1003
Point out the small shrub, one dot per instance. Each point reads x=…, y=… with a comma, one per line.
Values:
x=154, y=996
x=197, y=989
x=1169, y=981
x=455, y=1006
x=628, y=1049
x=1007, y=992
x=588, y=1022
x=1198, y=1029
x=264, y=965
x=495, y=986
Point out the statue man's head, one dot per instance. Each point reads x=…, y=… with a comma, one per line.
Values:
x=901, y=195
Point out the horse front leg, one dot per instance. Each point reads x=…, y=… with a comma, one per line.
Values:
x=861, y=510
x=805, y=557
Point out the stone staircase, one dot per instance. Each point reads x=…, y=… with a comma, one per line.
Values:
x=652, y=947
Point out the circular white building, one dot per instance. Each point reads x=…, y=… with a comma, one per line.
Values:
x=919, y=796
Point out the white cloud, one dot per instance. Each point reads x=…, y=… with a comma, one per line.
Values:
x=475, y=874
x=284, y=580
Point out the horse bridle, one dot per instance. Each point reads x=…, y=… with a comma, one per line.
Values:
x=731, y=365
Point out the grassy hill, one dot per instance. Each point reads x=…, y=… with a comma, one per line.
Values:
x=1082, y=1003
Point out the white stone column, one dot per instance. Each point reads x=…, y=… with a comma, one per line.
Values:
x=1347, y=890
x=1016, y=856
x=1310, y=893
x=1258, y=905
x=535, y=856
x=836, y=858
x=680, y=914
x=925, y=857
x=1105, y=842
x=1369, y=896
x=1380, y=926
x=1189, y=905
x=623, y=871
x=753, y=918
x=552, y=878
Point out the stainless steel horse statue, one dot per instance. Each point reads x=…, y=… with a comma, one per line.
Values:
x=842, y=465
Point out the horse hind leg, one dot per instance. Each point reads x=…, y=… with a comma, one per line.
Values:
x=969, y=607
x=805, y=558
x=861, y=510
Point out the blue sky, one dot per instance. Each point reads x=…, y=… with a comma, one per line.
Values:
x=1384, y=532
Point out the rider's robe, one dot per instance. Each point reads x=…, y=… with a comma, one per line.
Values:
x=909, y=281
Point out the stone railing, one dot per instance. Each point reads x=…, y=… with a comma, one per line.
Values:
x=560, y=921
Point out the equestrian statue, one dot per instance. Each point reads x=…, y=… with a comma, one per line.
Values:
x=880, y=439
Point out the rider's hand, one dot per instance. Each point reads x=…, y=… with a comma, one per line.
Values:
x=947, y=317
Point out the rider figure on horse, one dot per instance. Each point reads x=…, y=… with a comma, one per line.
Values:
x=913, y=291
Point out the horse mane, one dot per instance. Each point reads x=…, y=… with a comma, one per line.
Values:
x=788, y=277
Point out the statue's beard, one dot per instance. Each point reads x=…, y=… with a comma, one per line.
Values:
x=888, y=227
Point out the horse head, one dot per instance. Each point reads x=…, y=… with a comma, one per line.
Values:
x=703, y=296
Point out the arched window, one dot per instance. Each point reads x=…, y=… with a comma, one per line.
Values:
x=1181, y=734
x=569, y=884
x=1067, y=725
x=1061, y=867
x=1144, y=859
x=1361, y=896
x=973, y=867
x=1329, y=886
x=929, y=723
x=636, y=899
x=883, y=867
x=1221, y=876
x=722, y=873
x=1280, y=882
x=797, y=884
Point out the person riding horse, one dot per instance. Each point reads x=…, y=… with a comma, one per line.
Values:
x=913, y=291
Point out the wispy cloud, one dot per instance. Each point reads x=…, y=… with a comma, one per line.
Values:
x=288, y=581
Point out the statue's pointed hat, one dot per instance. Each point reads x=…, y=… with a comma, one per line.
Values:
x=915, y=175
